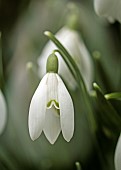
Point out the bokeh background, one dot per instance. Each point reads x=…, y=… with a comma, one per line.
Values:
x=22, y=24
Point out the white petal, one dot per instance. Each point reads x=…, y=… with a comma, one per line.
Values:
x=111, y=9
x=3, y=112
x=52, y=87
x=66, y=111
x=52, y=125
x=37, y=109
x=118, y=154
x=85, y=64
x=101, y=6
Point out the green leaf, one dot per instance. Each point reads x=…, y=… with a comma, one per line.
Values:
x=116, y=96
x=108, y=114
x=101, y=71
x=78, y=166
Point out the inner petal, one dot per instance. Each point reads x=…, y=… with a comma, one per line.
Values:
x=52, y=126
x=52, y=90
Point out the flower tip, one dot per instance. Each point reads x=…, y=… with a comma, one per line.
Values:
x=78, y=166
x=95, y=85
x=96, y=55
x=33, y=135
x=68, y=138
x=47, y=33
x=29, y=65
x=52, y=142
x=33, y=138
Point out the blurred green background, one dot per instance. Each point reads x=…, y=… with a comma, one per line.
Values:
x=22, y=24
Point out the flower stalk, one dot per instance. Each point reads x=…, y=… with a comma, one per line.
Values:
x=77, y=75
x=115, y=95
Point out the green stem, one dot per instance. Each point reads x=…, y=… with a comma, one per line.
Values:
x=116, y=95
x=68, y=63
x=77, y=75
x=78, y=166
x=66, y=56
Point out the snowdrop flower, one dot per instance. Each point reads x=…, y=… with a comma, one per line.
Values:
x=118, y=154
x=3, y=112
x=51, y=108
x=75, y=46
x=111, y=9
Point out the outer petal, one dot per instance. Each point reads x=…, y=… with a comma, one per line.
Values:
x=3, y=112
x=108, y=8
x=52, y=125
x=118, y=154
x=85, y=63
x=66, y=111
x=37, y=110
x=102, y=6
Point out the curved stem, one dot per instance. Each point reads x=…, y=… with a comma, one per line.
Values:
x=77, y=75
x=78, y=166
x=68, y=63
x=116, y=95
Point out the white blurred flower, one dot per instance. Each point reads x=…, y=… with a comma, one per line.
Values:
x=111, y=9
x=51, y=110
x=75, y=46
x=118, y=154
x=3, y=112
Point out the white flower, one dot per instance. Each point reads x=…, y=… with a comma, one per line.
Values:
x=118, y=154
x=111, y=9
x=3, y=112
x=51, y=110
x=74, y=44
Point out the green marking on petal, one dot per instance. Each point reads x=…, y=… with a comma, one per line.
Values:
x=51, y=103
x=57, y=111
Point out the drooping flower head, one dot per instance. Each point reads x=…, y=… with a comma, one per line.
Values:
x=51, y=108
x=3, y=112
x=73, y=42
x=111, y=9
